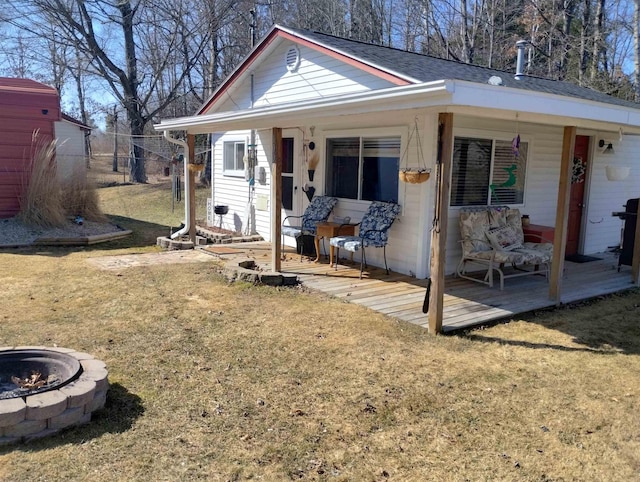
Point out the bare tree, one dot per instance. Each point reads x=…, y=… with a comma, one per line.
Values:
x=113, y=35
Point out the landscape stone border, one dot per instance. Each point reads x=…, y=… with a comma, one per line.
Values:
x=247, y=270
x=43, y=414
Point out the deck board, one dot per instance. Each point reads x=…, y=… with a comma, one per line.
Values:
x=466, y=304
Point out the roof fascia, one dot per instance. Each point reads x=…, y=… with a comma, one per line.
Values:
x=403, y=97
x=576, y=111
x=278, y=32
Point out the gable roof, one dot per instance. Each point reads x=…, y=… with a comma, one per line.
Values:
x=425, y=68
x=417, y=81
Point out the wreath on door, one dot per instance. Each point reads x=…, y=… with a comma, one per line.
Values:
x=578, y=170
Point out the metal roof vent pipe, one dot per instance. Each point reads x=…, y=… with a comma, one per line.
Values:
x=520, y=45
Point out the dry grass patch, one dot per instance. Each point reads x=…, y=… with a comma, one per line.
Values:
x=232, y=382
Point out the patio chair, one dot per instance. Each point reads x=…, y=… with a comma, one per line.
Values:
x=373, y=232
x=492, y=237
x=317, y=211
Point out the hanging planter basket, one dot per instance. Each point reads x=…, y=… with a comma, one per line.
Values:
x=414, y=176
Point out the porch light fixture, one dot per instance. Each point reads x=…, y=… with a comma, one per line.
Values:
x=617, y=173
x=608, y=146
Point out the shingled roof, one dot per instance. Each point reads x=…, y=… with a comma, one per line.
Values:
x=425, y=68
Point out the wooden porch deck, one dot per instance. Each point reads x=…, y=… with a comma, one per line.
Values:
x=465, y=303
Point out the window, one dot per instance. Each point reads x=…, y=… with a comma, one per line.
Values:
x=233, y=154
x=363, y=168
x=487, y=171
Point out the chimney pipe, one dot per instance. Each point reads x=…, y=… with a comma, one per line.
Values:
x=520, y=45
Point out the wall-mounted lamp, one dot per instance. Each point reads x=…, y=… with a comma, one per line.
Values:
x=608, y=146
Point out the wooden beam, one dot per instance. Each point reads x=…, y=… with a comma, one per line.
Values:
x=190, y=158
x=276, y=200
x=562, y=214
x=439, y=232
x=635, y=263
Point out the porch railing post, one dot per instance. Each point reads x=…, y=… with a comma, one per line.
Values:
x=276, y=200
x=562, y=214
x=439, y=229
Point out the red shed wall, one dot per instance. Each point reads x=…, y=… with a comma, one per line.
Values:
x=25, y=106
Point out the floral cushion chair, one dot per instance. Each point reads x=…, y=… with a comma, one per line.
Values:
x=492, y=237
x=373, y=232
x=317, y=211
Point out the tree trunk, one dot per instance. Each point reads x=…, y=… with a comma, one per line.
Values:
x=585, y=34
x=597, y=39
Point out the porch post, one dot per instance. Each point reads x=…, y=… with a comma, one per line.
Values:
x=190, y=158
x=635, y=262
x=276, y=200
x=562, y=214
x=439, y=230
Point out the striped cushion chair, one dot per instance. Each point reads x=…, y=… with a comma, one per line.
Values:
x=373, y=232
x=317, y=211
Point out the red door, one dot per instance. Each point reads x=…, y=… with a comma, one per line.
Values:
x=576, y=202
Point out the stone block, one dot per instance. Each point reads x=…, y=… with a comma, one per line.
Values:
x=289, y=279
x=40, y=434
x=12, y=411
x=67, y=418
x=93, y=364
x=99, y=376
x=79, y=392
x=45, y=405
x=98, y=402
x=271, y=279
x=9, y=440
x=79, y=355
x=24, y=428
x=61, y=349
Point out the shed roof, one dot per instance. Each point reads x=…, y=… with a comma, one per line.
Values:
x=26, y=85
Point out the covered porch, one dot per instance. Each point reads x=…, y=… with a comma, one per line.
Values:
x=466, y=304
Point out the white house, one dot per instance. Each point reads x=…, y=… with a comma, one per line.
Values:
x=71, y=147
x=364, y=111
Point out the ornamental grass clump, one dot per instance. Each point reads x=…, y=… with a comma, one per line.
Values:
x=48, y=200
x=41, y=202
x=79, y=196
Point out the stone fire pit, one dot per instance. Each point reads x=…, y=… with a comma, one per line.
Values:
x=61, y=388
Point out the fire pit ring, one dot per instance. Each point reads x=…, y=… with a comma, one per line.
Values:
x=26, y=372
x=44, y=390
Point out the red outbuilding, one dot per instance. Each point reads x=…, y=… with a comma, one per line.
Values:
x=26, y=106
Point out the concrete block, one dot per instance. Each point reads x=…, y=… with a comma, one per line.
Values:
x=79, y=392
x=67, y=418
x=9, y=440
x=45, y=405
x=24, y=428
x=97, y=403
x=79, y=355
x=93, y=364
x=98, y=376
x=12, y=411
x=271, y=279
x=200, y=241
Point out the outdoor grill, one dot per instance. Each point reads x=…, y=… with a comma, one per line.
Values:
x=630, y=218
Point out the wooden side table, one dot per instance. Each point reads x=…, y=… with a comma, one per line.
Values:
x=536, y=233
x=330, y=230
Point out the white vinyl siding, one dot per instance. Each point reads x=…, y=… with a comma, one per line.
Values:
x=318, y=76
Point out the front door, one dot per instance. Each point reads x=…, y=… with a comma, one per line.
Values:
x=576, y=202
x=291, y=191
